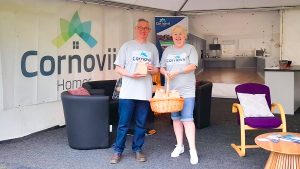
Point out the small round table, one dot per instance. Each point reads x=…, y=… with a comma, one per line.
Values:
x=284, y=154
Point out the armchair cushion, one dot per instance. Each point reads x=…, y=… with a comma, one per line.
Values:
x=97, y=92
x=79, y=92
x=263, y=122
x=254, y=105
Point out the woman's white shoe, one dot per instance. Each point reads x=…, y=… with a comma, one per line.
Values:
x=194, y=157
x=179, y=149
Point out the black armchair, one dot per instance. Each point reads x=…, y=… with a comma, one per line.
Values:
x=86, y=121
x=202, y=104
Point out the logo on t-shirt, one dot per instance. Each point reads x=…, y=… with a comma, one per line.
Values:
x=176, y=59
x=141, y=55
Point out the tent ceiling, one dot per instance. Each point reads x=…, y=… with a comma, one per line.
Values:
x=171, y=5
x=199, y=5
x=236, y=4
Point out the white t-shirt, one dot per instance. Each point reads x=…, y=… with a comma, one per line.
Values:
x=176, y=59
x=128, y=56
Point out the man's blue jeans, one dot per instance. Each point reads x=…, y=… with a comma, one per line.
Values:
x=127, y=109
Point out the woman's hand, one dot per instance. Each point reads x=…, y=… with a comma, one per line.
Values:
x=168, y=74
x=172, y=74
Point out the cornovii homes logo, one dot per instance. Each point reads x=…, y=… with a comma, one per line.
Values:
x=143, y=54
x=77, y=61
x=162, y=22
x=68, y=29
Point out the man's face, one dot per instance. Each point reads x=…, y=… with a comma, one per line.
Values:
x=142, y=30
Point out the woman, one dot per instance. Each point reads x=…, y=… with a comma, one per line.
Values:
x=179, y=63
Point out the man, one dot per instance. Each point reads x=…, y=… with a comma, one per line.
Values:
x=136, y=89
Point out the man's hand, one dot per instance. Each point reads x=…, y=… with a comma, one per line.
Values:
x=136, y=75
x=151, y=68
x=123, y=72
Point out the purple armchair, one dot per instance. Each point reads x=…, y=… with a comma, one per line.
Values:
x=256, y=123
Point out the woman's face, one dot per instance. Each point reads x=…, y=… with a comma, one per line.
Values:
x=179, y=38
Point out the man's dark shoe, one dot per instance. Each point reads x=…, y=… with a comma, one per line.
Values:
x=115, y=158
x=140, y=157
x=130, y=132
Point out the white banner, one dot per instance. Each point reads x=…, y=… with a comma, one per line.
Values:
x=47, y=50
x=163, y=28
x=50, y=46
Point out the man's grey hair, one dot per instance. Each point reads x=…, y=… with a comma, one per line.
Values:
x=141, y=20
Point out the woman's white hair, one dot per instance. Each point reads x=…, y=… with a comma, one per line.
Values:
x=179, y=28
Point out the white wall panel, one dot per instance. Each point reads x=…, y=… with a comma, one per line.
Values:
x=1, y=85
x=291, y=36
x=248, y=30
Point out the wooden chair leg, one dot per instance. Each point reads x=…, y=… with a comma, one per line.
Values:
x=241, y=150
x=238, y=150
x=243, y=141
x=284, y=128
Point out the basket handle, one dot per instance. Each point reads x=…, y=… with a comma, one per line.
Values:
x=167, y=85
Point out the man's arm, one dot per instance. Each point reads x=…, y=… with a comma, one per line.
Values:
x=123, y=72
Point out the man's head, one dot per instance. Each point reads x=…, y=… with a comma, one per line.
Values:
x=142, y=29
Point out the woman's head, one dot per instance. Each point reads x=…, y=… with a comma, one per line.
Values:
x=179, y=35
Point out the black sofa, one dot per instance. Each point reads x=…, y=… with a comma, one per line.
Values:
x=201, y=110
x=86, y=120
x=105, y=87
x=202, y=104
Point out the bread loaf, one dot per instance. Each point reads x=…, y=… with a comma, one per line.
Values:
x=161, y=94
x=174, y=94
x=141, y=68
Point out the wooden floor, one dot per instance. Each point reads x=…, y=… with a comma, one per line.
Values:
x=230, y=76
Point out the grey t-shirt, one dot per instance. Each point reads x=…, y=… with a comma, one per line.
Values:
x=176, y=59
x=128, y=56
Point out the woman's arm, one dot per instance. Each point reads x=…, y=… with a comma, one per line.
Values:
x=189, y=68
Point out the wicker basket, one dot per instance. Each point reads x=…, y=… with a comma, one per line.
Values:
x=166, y=105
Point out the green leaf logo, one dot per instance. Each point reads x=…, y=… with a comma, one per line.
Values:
x=68, y=29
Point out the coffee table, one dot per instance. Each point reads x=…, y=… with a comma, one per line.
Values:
x=284, y=154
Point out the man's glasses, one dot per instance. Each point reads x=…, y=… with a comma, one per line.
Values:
x=143, y=28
